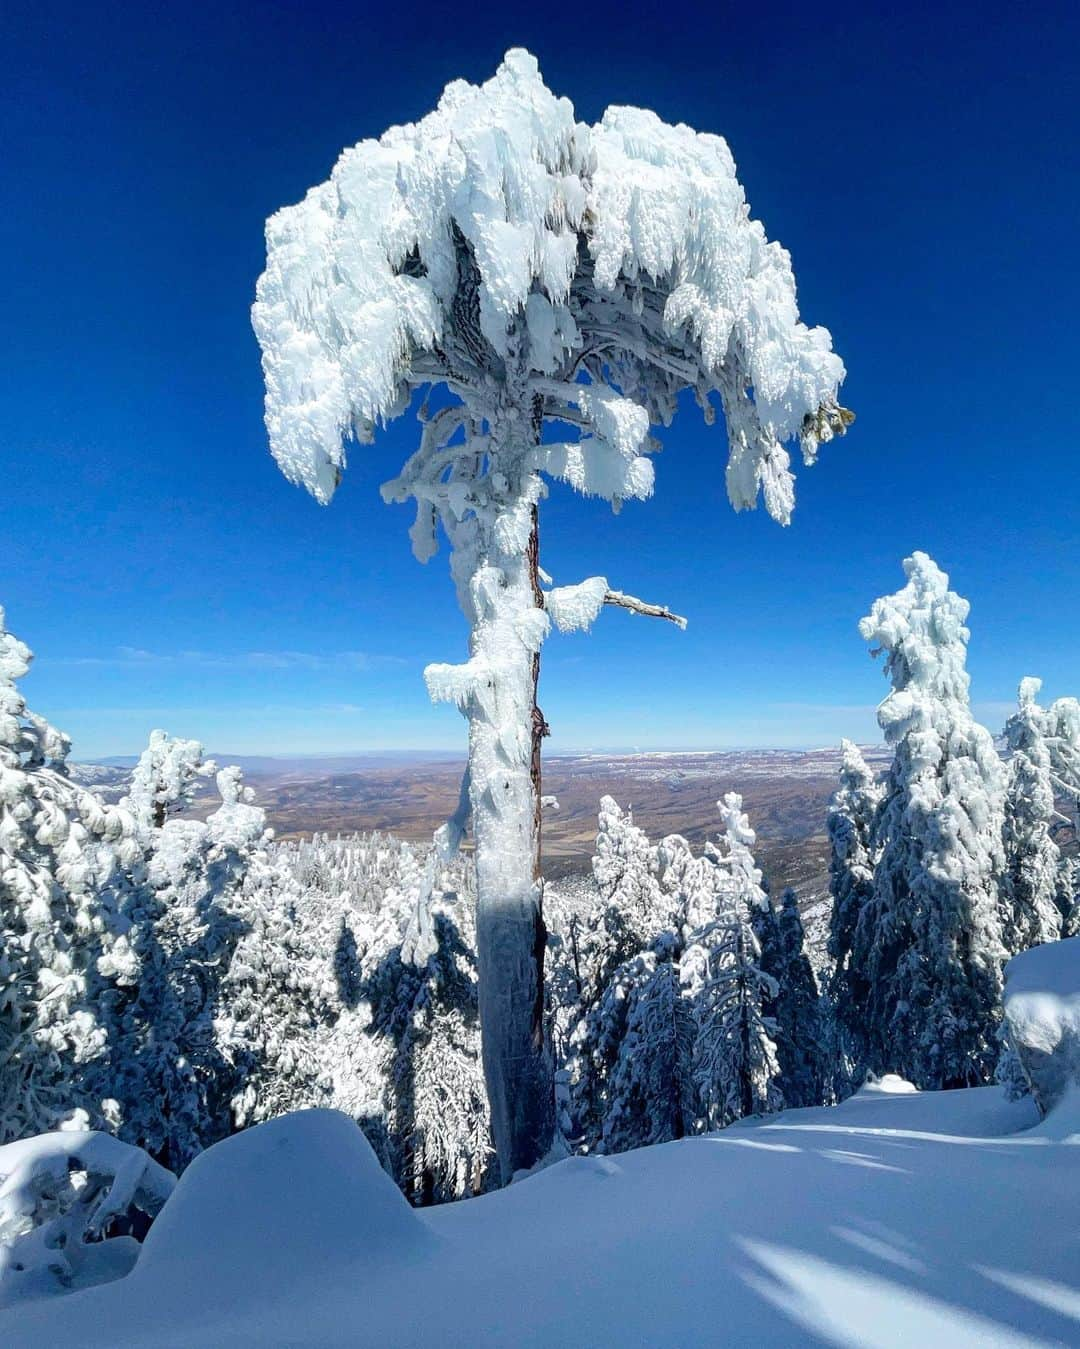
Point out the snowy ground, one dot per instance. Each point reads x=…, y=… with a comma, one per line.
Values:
x=894, y=1219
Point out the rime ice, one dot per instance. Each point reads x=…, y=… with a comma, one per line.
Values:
x=558, y=280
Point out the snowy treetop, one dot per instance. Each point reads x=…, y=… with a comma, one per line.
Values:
x=499, y=234
x=921, y=629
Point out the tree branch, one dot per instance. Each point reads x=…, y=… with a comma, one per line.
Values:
x=637, y=606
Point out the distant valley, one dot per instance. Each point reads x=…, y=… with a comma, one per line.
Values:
x=785, y=792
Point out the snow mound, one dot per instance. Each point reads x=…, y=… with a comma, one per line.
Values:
x=1042, y=1008
x=889, y=1085
x=1062, y=1124
x=898, y=1218
x=59, y=1195
x=284, y=1197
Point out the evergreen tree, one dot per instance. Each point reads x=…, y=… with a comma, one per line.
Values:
x=169, y=1063
x=534, y=269
x=928, y=946
x=62, y=854
x=735, y=1067
x=801, y=1032
x=283, y=991
x=610, y=955
x=852, y=858
x=650, y=1091
x=1034, y=901
x=1063, y=743
x=633, y=910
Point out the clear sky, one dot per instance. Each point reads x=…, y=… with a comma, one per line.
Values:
x=920, y=162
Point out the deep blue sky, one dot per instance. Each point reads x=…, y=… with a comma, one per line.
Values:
x=919, y=163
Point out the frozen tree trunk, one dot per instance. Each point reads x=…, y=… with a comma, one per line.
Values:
x=505, y=731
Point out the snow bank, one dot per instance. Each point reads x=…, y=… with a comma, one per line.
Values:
x=1042, y=1008
x=897, y=1218
x=59, y=1195
x=275, y=1202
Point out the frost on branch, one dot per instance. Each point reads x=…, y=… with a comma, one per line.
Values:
x=627, y=248
x=575, y=608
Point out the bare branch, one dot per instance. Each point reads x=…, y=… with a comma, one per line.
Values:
x=637, y=606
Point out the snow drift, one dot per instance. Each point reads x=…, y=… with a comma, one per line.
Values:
x=1042, y=1008
x=898, y=1218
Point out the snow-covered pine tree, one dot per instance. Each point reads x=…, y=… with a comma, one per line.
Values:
x=1063, y=742
x=529, y=271
x=427, y=1114
x=325, y=1004
x=447, y=1151
x=632, y=911
x=61, y=850
x=1033, y=896
x=168, y=1064
x=735, y=1068
x=631, y=1056
x=628, y=1056
x=801, y=1033
x=281, y=995
x=852, y=859
x=650, y=1096
x=928, y=946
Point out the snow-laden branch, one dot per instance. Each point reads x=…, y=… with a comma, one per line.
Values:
x=575, y=608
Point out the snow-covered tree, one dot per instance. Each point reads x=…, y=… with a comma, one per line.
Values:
x=650, y=1095
x=632, y=911
x=631, y=1056
x=1034, y=877
x=327, y=1002
x=529, y=272
x=63, y=853
x=166, y=778
x=1063, y=742
x=281, y=995
x=448, y=1148
x=405, y=1058
x=928, y=948
x=615, y=962
x=795, y=1012
x=735, y=1068
x=168, y=1066
x=852, y=859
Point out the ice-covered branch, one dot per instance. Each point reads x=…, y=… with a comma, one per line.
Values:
x=636, y=606
x=576, y=608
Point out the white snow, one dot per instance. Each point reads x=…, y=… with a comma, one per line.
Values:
x=574, y=608
x=1042, y=1009
x=898, y=1218
x=59, y=1192
x=361, y=277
